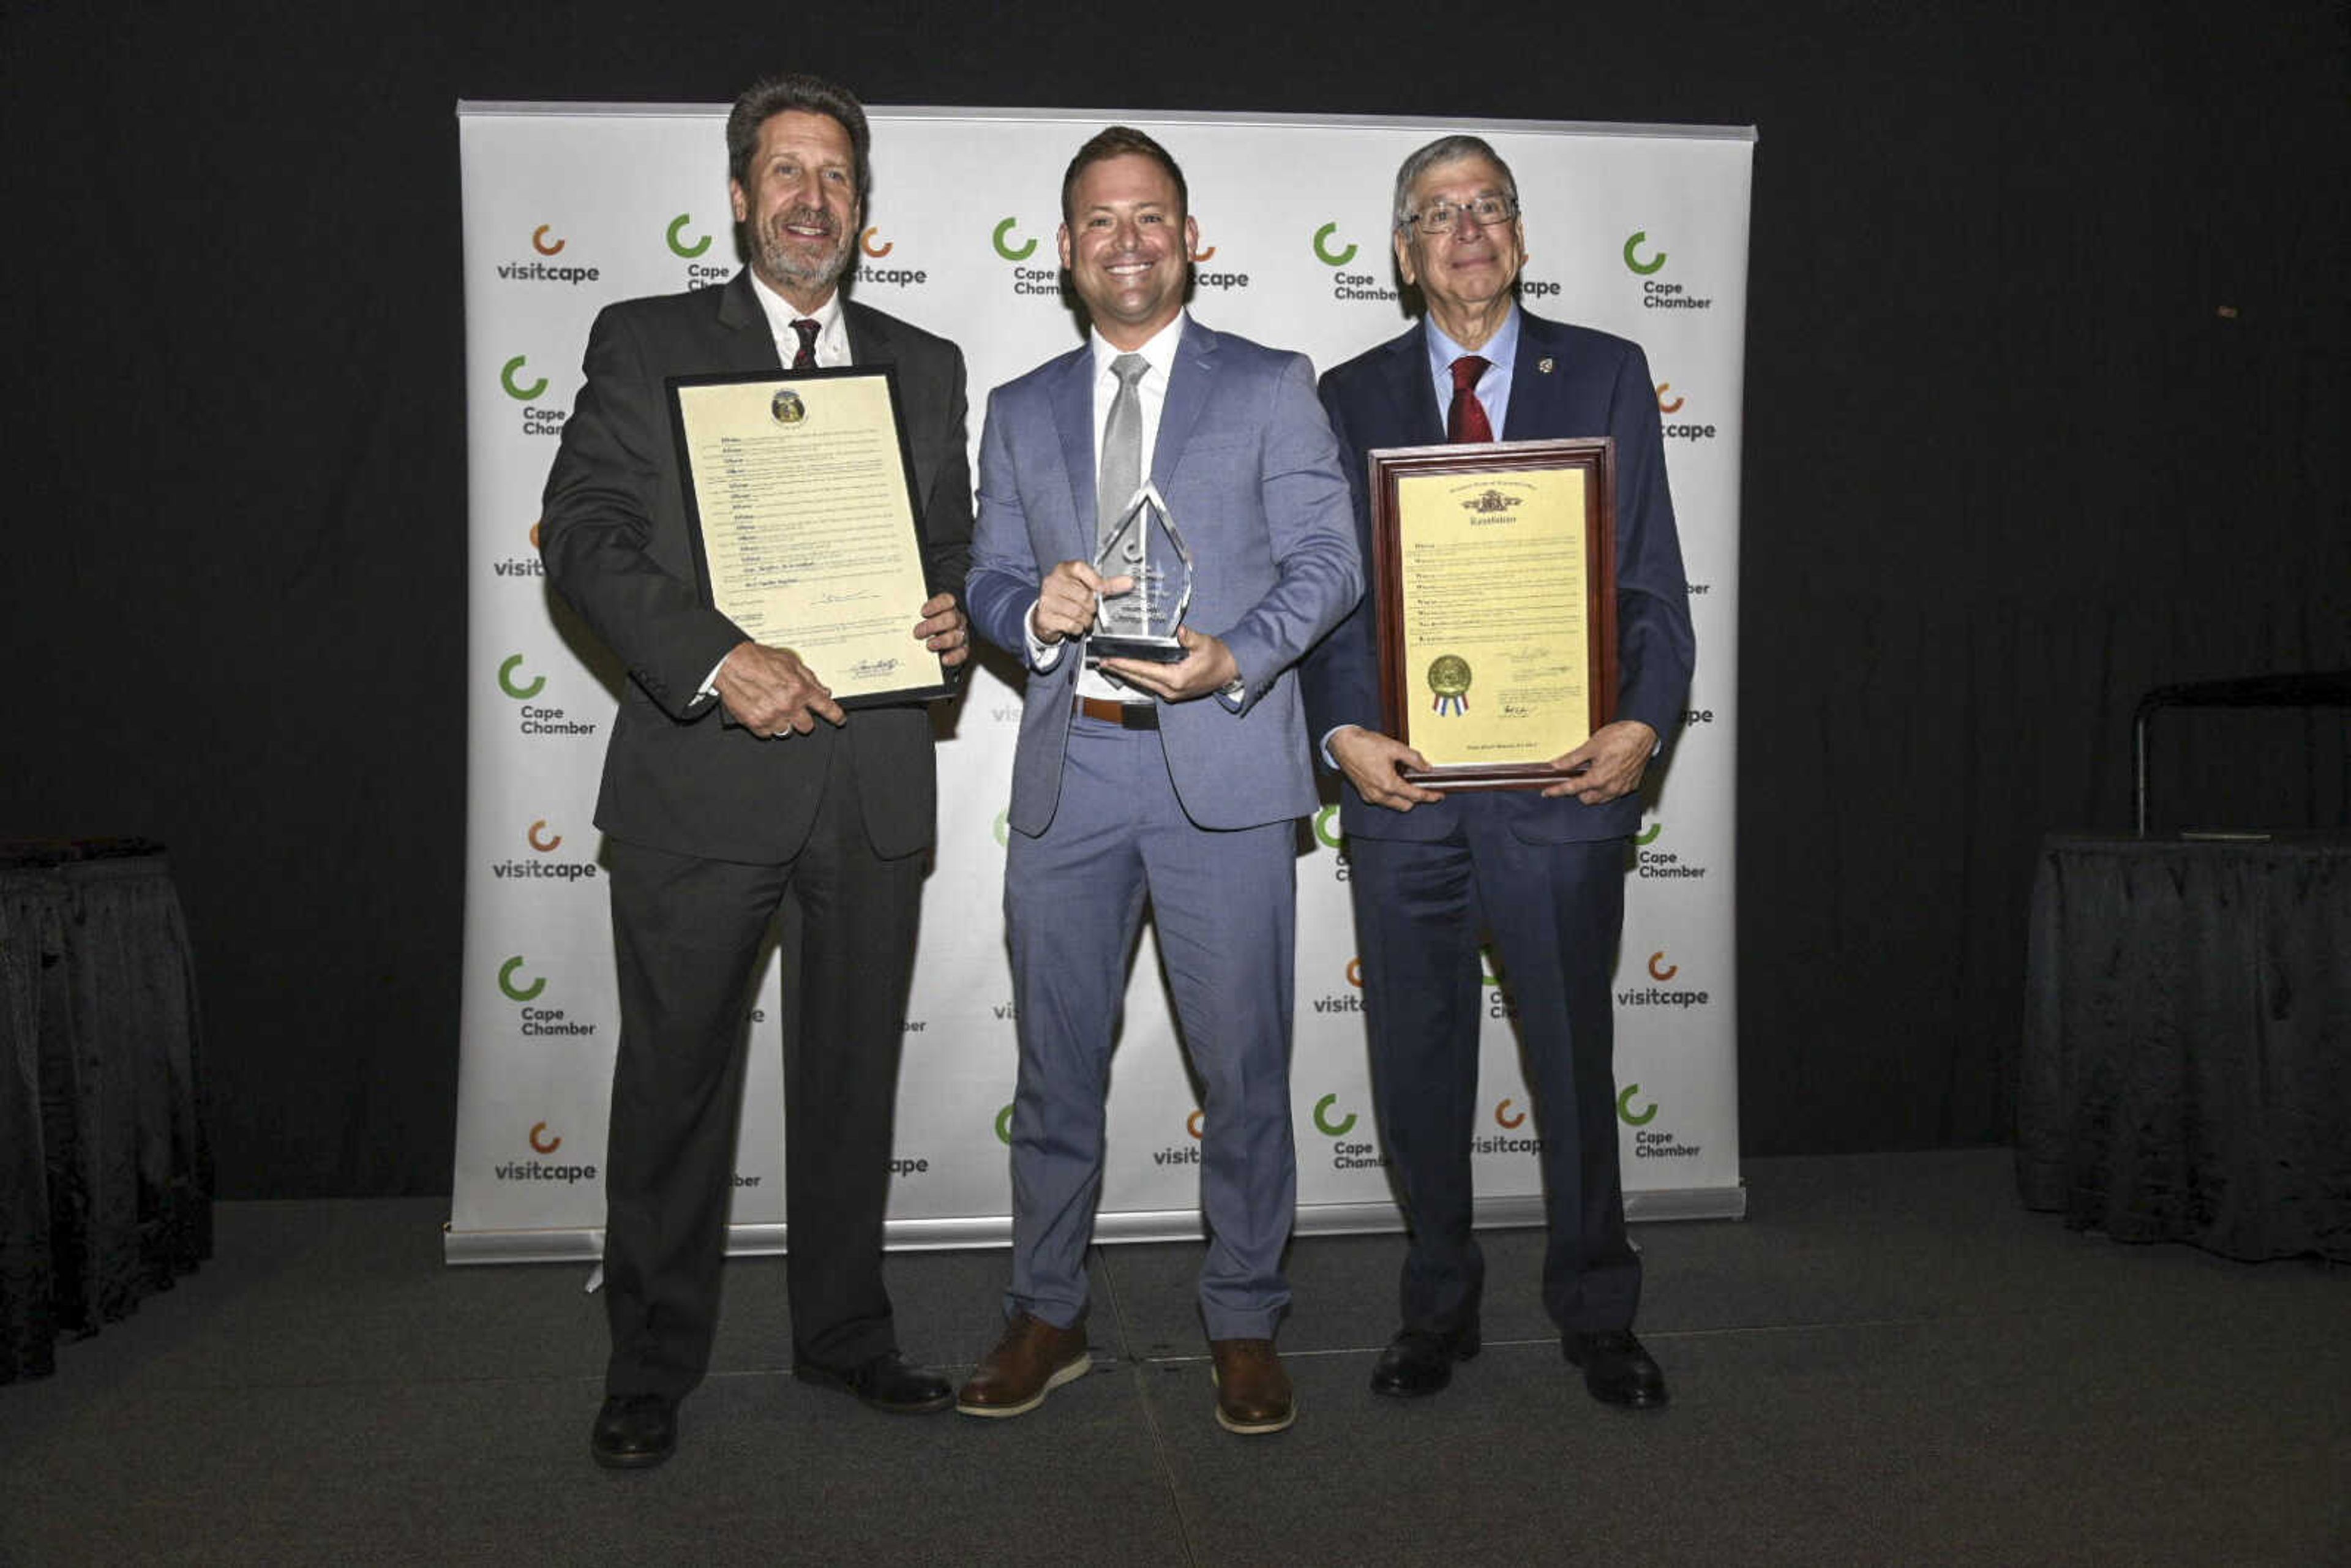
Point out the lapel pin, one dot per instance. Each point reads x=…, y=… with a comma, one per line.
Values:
x=1543, y=366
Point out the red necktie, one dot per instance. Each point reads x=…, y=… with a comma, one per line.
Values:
x=806, y=359
x=1466, y=420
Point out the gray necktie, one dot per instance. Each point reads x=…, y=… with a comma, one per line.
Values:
x=1121, y=448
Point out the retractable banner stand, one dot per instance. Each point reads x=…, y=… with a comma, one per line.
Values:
x=1637, y=230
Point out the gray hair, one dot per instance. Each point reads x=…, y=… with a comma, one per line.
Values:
x=1447, y=149
x=765, y=99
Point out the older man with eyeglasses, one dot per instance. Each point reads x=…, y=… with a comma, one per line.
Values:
x=1544, y=872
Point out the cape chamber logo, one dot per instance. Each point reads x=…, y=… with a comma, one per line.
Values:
x=1027, y=277
x=1644, y=259
x=1348, y=281
x=537, y=719
x=1650, y=1142
x=538, y=1021
x=536, y=420
x=1650, y=861
x=1329, y=835
x=687, y=241
x=1335, y=1122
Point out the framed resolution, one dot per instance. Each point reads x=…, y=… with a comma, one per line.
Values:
x=800, y=498
x=1496, y=570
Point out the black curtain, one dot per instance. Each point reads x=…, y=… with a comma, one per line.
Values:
x=2044, y=405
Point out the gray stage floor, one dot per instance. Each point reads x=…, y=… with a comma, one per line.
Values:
x=1888, y=1362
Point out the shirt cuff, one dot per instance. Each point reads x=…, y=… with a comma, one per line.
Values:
x=1042, y=656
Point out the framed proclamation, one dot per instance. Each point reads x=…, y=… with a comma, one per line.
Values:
x=1495, y=564
x=799, y=496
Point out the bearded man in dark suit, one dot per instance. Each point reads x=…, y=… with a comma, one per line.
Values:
x=734, y=783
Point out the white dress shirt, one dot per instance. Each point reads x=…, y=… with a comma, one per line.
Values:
x=1151, y=391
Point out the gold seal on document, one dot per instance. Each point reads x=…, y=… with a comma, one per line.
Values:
x=1448, y=680
x=787, y=408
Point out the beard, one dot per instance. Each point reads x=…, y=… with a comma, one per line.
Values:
x=785, y=260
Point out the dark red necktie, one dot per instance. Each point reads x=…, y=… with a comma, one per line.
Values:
x=806, y=359
x=1467, y=420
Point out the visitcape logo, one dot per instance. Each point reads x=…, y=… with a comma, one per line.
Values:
x=1505, y=1119
x=543, y=1140
x=515, y=389
x=1664, y=407
x=542, y=244
x=1659, y=970
x=545, y=840
x=1662, y=995
x=1691, y=429
x=551, y=842
x=865, y=243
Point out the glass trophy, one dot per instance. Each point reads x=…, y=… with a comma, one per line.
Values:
x=1141, y=622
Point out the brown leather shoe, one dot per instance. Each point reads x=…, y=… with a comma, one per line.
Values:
x=1253, y=1393
x=1030, y=1361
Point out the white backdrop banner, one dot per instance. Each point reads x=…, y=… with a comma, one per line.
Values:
x=1637, y=230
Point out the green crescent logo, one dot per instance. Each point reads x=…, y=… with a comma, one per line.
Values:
x=676, y=227
x=506, y=380
x=506, y=680
x=1004, y=1125
x=1322, y=249
x=1326, y=828
x=1645, y=840
x=1006, y=251
x=1322, y=1120
x=1488, y=970
x=1004, y=829
x=1625, y=1108
x=1643, y=268
x=518, y=993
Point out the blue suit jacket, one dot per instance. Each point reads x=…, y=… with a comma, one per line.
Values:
x=1596, y=385
x=1250, y=468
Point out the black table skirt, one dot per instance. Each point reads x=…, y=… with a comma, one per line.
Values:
x=2187, y=1059
x=105, y=1174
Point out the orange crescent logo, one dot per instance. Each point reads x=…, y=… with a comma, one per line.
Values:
x=548, y=1147
x=1204, y=255
x=1502, y=1117
x=865, y=243
x=1664, y=407
x=536, y=828
x=1192, y=1123
x=534, y=533
x=1356, y=973
x=538, y=241
x=1661, y=971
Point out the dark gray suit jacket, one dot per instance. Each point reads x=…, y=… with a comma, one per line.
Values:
x=615, y=540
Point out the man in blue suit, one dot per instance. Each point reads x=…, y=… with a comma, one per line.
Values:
x=1545, y=871
x=1179, y=783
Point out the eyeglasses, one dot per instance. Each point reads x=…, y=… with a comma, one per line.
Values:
x=1439, y=217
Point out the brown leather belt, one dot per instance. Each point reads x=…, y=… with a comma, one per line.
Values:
x=1126, y=715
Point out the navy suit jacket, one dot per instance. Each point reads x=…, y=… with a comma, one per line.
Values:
x=1248, y=467
x=1595, y=385
x=614, y=538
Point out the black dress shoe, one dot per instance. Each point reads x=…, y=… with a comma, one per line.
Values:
x=1417, y=1362
x=634, y=1431
x=1616, y=1368
x=885, y=1382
